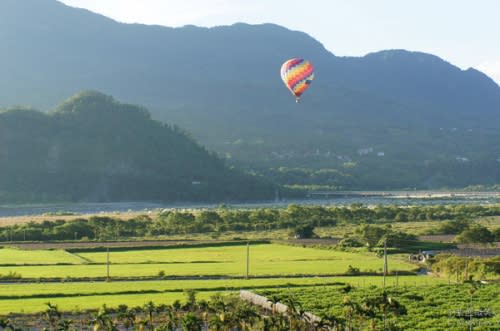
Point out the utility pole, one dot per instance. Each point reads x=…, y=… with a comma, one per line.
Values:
x=385, y=274
x=385, y=260
x=466, y=271
x=107, y=264
x=248, y=259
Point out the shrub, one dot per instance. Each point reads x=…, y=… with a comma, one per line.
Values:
x=349, y=242
x=475, y=234
x=303, y=231
x=11, y=275
x=352, y=271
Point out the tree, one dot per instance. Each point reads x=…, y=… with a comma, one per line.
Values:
x=245, y=315
x=496, y=233
x=370, y=234
x=190, y=298
x=127, y=316
x=52, y=315
x=453, y=227
x=102, y=320
x=65, y=325
x=150, y=308
x=303, y=231
x=475, y=234
x=190, y=322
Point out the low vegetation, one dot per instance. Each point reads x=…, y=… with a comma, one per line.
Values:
x=216, y=222
x=339, y=279
x=432, y=308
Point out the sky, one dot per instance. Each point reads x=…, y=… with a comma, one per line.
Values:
x=465, y=33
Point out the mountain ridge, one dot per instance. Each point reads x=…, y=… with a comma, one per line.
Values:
x=94, y=148
x=222, y=85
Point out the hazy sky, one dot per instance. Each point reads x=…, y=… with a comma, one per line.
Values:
x=463, y=32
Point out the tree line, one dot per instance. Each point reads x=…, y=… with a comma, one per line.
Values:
x=223, y=219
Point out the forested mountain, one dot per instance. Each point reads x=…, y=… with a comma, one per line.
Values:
x=391, y=119
x=93, y=148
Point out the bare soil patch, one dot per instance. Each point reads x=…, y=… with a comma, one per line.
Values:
x=13, y=220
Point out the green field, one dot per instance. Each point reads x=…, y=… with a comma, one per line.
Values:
x=430, y=308
x=85, y=288
x=265, y=260
x=259, y=252
x=17, y=256
x=91, y=302
x=32, y=297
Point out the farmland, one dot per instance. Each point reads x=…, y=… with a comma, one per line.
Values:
x=158, y=259
x=16, y=256
x=29, y=298
x=269, y=262
x=265, y=260
x=429, y=308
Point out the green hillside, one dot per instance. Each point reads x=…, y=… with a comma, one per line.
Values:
x=388, y=120
x=93, y=148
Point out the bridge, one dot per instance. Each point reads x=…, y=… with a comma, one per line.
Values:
x=399, y=194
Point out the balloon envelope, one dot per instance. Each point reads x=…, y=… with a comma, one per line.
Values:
x=297, y=74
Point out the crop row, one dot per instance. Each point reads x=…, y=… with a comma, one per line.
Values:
x=71, y=295
x=432, y=308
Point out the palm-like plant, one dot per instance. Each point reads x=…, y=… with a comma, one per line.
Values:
x=296, y=314
x=126, y=316
x=274, y=299
x=102, y=320
x=215, y=323
x=380, y=307
x=52, y=315
x=150, y=308
x=7, y=325
x=65, y=325
x=351, y=310
x=191, y=322
x=278, y=322
x=329, y=322
x=245, y=316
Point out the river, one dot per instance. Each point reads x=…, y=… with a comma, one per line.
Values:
x=400, y=198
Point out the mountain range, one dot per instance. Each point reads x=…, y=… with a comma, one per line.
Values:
x=390, y=119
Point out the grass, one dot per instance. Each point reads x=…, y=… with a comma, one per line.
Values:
x=80, y=303
x=258, y=253
x=93, y=294
x=269, y=268
x=10, y=256
x=86, y=288
x=12, y=220
x=265, y=260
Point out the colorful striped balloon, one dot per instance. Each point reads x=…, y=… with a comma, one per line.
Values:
x=297, y=74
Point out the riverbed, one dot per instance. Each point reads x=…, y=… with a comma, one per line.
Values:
x=399, y=198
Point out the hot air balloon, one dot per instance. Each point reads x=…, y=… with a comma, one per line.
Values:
x=297, y=74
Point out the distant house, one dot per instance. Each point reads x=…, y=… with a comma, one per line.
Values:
x=422, y=256
x=365, y=151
